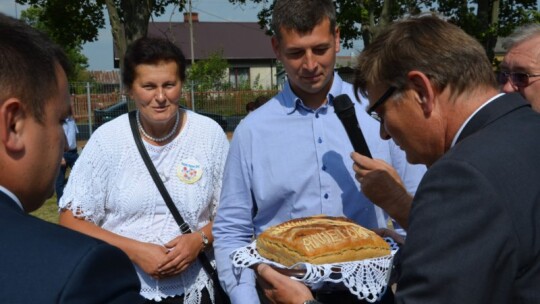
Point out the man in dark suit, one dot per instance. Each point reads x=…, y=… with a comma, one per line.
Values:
x=41, y=262
x=473, y=233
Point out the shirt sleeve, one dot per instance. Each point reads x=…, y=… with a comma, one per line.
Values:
x=220, y=150
x=233, y=226
x=86, y=191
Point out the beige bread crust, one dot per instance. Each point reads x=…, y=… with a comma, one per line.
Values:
x=320, y=240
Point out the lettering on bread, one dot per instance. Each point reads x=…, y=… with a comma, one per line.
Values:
x=320, y=240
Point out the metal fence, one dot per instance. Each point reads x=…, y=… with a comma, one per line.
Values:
x=97, y=103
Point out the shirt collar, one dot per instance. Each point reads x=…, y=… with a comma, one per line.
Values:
x=12, y=196
x=471, y=116
x=293, y=102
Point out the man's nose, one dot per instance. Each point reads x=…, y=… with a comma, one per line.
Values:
x=309, y=61
x=382, y=132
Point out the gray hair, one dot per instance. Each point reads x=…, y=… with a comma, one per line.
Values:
x=521, y=34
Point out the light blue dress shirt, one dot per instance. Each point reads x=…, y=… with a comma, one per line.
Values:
x=288, y=161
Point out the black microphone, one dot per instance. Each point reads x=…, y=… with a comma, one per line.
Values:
x=345, y=111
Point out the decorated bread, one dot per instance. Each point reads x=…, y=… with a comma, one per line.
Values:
x=320, y=240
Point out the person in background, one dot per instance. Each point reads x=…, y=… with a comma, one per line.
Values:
x=253, y=105
x=111, y=195
x=473, y=232
x=42, y=262
x=250, y=107
x=70, y=156
x=290, y=158
x=520, y=68
x=260, y=100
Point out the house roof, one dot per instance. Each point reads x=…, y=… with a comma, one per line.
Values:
x=237, y=40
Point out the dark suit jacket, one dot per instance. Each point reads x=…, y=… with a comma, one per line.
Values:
x=474, y=234
x=41, y=262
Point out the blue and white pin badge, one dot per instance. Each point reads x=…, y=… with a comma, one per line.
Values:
x=189, y=171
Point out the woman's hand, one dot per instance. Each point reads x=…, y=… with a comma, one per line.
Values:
x=182, y=252
x=148, y=257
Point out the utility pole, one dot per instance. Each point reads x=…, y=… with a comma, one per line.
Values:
x=192, y=53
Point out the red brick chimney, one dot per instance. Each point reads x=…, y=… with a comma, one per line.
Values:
x=195, y=17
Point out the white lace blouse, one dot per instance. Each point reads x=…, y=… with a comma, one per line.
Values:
x=111, y=187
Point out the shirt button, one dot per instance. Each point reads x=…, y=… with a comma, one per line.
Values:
x=324, y=168
x=326, y=195
x=316, y=115
x=320, y=140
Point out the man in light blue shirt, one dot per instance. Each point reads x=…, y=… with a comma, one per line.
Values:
x=291, y=157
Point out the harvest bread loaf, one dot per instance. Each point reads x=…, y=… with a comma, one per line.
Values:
x=320, y=240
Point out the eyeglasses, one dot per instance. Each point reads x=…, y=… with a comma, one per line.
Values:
x=379, y=102
x=518, y=79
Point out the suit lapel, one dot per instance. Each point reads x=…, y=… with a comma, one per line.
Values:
x=493, y=111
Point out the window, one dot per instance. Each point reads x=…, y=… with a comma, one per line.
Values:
x=239, y=77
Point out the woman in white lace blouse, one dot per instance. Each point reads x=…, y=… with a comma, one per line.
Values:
x=111, y=195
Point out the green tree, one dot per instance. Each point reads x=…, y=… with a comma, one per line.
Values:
x=72, y=21
x=34, y=16
x=358, y=19
x=208, y=74
x=484, y=19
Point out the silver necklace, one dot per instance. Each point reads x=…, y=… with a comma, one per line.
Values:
x=164, y=138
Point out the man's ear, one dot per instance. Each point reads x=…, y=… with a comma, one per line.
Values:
x=337, y=39
x=425, y=95
x=275, y=46
x=12, y=119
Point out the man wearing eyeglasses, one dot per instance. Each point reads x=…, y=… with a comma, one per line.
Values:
x=520, y=72
x=474, y=233
x=520, y=69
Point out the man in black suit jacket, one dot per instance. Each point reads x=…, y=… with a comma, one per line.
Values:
x=41, y=262
x=474, y=229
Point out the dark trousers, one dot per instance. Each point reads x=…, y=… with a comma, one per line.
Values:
x=345, y=297
x=342, y=296
x=70, y=157
x=180, y=299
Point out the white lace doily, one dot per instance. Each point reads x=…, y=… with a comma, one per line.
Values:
x=367, y=279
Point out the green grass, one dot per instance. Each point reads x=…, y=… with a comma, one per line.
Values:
x=49, y=211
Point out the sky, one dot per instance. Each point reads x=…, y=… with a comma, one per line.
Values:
x=99, y=53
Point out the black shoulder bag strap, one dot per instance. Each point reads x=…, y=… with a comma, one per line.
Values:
x=161, y=187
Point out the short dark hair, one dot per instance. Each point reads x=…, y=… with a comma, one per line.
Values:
x=302, y=15
x=442, y=51
x=151, y=50
x=250, y=106
x=28, y=65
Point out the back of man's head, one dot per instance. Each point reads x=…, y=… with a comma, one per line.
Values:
x=301, y=15
x=442, y=51
x=28, y=61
